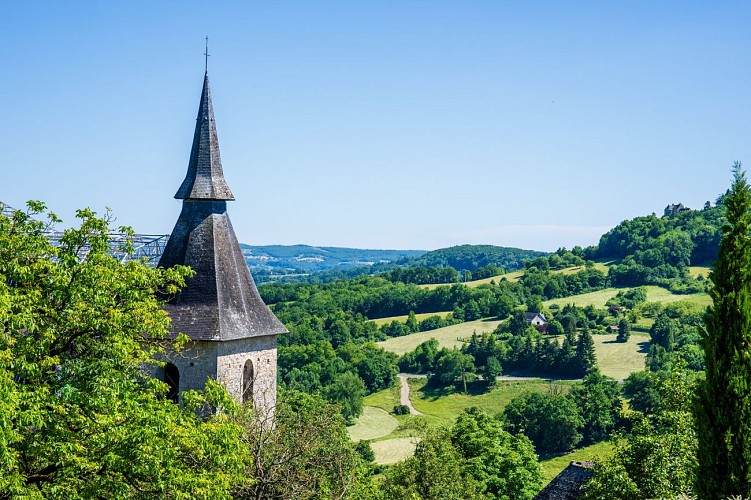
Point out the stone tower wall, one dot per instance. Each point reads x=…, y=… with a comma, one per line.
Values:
x=225, y=362
x=231, y=358
x=195, y=365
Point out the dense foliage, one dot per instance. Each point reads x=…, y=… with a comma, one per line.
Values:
x=305, y=454
x=657, y=250
x=79, y=415
x=656, y=454
x=557, y=422
x=472, y=257
x=330, y=332
x=475, y=458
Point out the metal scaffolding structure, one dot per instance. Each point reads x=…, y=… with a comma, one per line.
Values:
x=5, y=210
x=145, y=246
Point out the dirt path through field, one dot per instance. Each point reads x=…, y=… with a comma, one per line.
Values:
x=405, y=394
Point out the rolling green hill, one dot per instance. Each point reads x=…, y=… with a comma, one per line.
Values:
x=473, y=257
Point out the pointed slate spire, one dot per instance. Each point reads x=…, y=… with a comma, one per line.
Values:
x=220, y=301
x=205, y=178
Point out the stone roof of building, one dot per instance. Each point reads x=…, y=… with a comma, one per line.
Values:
x=220, y=301
x=567, y=485
x=205, y=178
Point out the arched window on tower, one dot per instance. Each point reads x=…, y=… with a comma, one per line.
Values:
x=248, y=382
x=172, y=379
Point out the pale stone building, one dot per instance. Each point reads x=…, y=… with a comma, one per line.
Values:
x=220, y=309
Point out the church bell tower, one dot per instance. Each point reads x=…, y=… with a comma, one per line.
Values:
x=220, y=309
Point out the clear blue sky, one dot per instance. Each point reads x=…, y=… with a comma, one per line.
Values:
x=384, y=124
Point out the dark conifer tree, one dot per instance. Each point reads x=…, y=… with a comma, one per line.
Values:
x=585, y=352
x=518, y=323
x=527, y=355
x=567, y=354
x=624, y=330
x=569, y=324
x=723, y=408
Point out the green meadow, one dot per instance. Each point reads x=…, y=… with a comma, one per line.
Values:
x=450, y=336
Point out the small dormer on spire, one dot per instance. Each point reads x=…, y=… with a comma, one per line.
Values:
x=205, y=178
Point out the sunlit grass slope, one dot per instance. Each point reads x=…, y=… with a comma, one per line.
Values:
x=449, y=336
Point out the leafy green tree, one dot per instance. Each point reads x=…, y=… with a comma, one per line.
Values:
x=555, y=327
x=534, y=304
x=518, y=324
x=436, y=471
x=426, y=353
x=412, y=323
x=339, y=332
x=569, y=324
x=421, y=359
x=567, y=354
x=365, y=451
x=452, y=367
x=676, y=247
x=723, y=409
x=642, y=389
x=458, y=313
x=472, y=311
x=395, y=329
x=505, y=464
x=376, y=367
x=663, y=331
x=80, y=416
x=306, y=454
x=658, y=458
x=348, y=390
x=599, y=401
x=492, y=369
x=551, y=421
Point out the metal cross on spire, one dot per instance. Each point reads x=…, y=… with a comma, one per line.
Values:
x=206, y=53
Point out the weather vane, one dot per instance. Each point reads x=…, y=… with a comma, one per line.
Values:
x=206, y=53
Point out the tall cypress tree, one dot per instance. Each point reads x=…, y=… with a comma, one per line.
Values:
x=723, y=407
x=585, y=352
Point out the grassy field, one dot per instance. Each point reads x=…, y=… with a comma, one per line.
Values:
x=385, y=399
x=448, y=336
x=442, y=407
x=654, y=294
x=553, y=466
x=512, y=276
x=697, y=271
x=515, y=275
x=664, y=296
x=643, y=324
x=402, y=319
x=620, y=359
x=596, y=299
x=615, y=359
x=390, y=451
x=372, y=424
